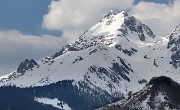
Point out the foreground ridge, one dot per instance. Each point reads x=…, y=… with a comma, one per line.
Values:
x=160, y=93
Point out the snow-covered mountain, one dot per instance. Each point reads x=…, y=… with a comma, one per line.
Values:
x=117, y=55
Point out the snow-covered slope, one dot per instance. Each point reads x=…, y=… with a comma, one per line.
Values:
x=117, y=55
x=54, y=102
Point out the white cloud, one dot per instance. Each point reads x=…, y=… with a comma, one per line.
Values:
x=75, y=16
x=161, y=18
x=15, y=47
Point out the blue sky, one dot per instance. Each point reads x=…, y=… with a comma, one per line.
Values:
x=24, y=15
x=27, y=15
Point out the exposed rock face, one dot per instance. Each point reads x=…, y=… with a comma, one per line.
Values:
x=26, y=65
x=174, y=45
x=134, y=25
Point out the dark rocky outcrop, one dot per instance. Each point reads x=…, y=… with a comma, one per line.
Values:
x=26, y=65
x=134, y=25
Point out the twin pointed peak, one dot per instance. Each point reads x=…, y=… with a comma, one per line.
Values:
x=111, y=12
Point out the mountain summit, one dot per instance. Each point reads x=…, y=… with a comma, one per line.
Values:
x=113, y=28
x=117, y=55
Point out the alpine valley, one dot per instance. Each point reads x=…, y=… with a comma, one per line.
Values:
x=118, y=64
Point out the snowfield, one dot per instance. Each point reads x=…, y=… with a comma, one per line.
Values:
x=54, y=102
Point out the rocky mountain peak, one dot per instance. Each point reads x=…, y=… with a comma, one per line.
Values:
x=26, y=65
x=109, y=31
x=110, y=13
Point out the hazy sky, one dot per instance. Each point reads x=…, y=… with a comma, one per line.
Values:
x=37, y=28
